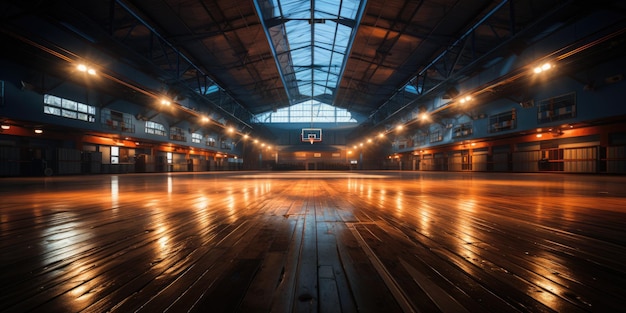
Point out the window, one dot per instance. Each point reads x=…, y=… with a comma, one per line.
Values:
x=557, y=108
x=155, y=128
x=225, y=145
x=463, y=130
x=58, y=106
x=117, y=121
x=502, y=121
x=210, y=142
x=421, y=139
x=177, y=133
x=115, y=155
x=311, y=111
x=196, y=138
x=170, y=158
x=435, y=136
x=399, y=144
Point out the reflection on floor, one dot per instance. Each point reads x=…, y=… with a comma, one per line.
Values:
x=313, y=242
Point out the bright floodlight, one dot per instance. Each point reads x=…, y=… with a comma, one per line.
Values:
x=544, y=67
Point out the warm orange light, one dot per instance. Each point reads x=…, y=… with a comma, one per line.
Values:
x=542, y=68
x=85, y=69
x=466, y=99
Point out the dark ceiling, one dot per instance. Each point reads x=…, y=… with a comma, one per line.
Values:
x=221, y=49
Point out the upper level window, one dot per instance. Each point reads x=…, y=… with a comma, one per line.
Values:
x=310, y=111
x=155, y=128
x=210, y=142
x=506, y=120
x=557, y=108
x=177, y=133
x=68, y=108
x=436, y=136
x=117, y=120
x=463, y=130
x=196, y=138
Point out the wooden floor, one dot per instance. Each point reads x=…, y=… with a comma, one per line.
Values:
x=313, y=242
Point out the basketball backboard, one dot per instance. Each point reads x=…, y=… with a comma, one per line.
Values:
x=311, y=135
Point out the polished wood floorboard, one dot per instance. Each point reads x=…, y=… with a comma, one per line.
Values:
x=313, y=242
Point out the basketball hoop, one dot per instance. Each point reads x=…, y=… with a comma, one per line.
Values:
x=311, y=135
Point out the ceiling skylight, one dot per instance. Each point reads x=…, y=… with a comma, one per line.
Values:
x=310, y=111
x=310, y=40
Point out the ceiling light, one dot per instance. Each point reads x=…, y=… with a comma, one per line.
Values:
x=466, y=99
x=38, y=131
x=399, y=127
x=85, y=69
x=6, y=126
x=542, y=68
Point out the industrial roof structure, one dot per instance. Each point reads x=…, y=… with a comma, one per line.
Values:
x=247, y=59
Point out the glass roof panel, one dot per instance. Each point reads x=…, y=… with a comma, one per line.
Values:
x=316, y=34
x=298, y=33
x=310, y=111
x=292, y=9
